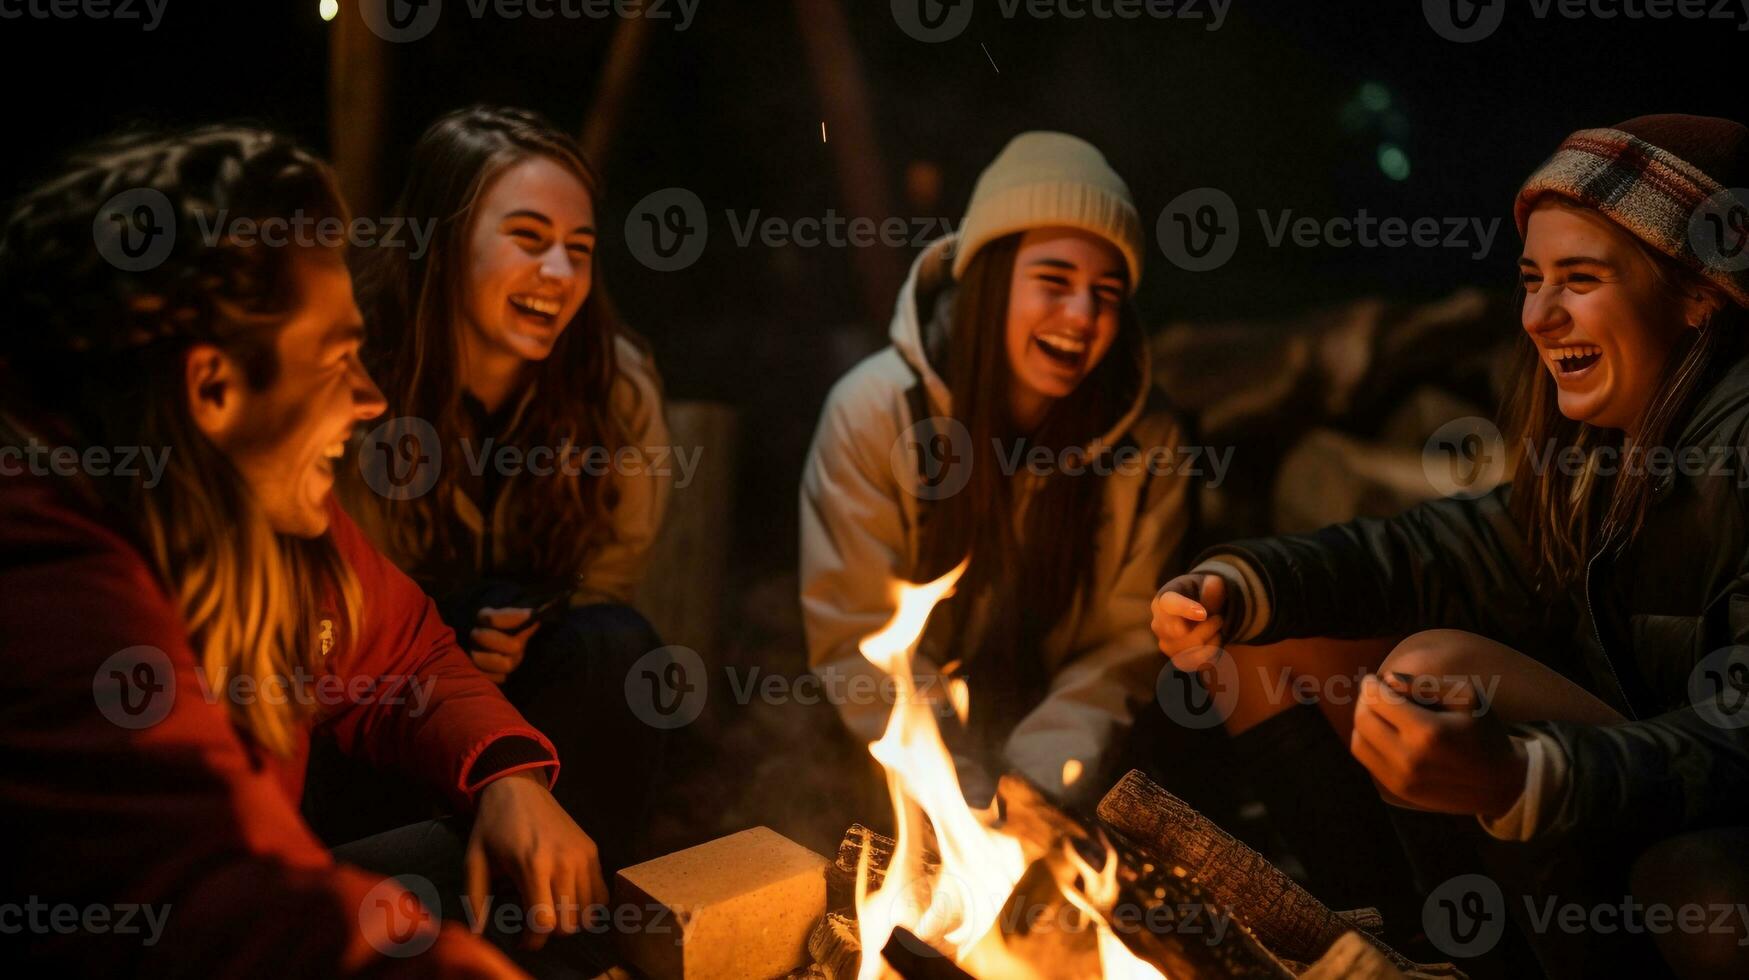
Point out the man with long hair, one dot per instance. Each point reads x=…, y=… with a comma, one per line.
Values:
x=174, y=633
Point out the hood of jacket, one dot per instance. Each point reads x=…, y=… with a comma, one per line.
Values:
x=923, y=319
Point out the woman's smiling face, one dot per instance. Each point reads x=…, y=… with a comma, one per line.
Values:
x=1063, y=304
x=530, y=259
x=1603, y=321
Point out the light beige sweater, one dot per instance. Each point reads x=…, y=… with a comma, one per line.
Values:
x=859, y=511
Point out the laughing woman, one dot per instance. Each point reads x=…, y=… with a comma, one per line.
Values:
x=500, y=336
x=1603, y=597
x=1015, y=341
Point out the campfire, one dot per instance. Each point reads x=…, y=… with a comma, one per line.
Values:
x=1020, y=889
x=1023, y=889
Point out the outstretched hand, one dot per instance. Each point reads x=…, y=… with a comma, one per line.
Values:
x=522, y=833
x=1188, y=619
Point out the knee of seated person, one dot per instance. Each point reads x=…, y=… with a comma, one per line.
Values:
x=617, y=630
x=1434, y=653
x=1702, y=870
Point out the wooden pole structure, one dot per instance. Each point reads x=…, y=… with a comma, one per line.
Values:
x=613, y=89
x=850, y=135
x=356, y=80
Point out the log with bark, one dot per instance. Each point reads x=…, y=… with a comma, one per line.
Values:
x=1289, y=920
x=1168, y=919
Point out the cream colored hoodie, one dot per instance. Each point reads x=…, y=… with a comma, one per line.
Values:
x=859, y=509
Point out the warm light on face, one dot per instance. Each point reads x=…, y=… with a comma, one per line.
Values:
x=1063, y=303
x=1602, y=322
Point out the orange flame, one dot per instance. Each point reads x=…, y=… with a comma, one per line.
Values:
x=953, y=908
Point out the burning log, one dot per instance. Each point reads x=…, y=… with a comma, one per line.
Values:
x=904, y=954
x=1161, y=915
x=1353, y=957
x=1287, y=918
x=834, y=945
x=1020, y=889
x=841, y=873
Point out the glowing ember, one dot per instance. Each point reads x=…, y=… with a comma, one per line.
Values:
x=954, y=908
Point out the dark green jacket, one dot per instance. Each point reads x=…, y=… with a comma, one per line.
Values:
x=1635, y=632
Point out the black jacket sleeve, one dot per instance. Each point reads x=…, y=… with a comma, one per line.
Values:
x=1666, y=775
x=1451, y=563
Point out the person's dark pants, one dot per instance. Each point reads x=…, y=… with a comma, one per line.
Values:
x=1577, y=907
x=571, y=685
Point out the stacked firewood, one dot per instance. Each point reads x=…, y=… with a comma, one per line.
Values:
x=1176, y=871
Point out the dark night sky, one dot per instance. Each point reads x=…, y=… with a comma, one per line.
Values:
x=726, y=108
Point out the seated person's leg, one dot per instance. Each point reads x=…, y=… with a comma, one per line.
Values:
x=1271, y=678
x=1702, y=869
x=1527, y=689
x=572, y=685
x=1709, y=870
x=1288, y=723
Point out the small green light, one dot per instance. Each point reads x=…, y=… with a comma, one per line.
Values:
x=1393, y=161
x=1375, y=96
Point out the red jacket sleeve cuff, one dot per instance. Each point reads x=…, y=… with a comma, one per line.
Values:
x=506, y=755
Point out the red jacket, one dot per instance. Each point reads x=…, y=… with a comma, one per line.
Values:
x=185, y=821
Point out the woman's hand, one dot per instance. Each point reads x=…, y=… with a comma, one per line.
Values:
x=523, y=833
x=498, y=642
x=1188, y=619
x=1454, y=756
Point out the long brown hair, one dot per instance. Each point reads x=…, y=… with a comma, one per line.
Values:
x=95, y=355
x=1031, y=568
x=1567, y=515
x=414, y=307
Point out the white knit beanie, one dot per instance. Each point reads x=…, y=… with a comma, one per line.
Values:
x=1046, y=180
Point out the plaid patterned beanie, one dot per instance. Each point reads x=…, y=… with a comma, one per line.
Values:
x=1678, y=183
